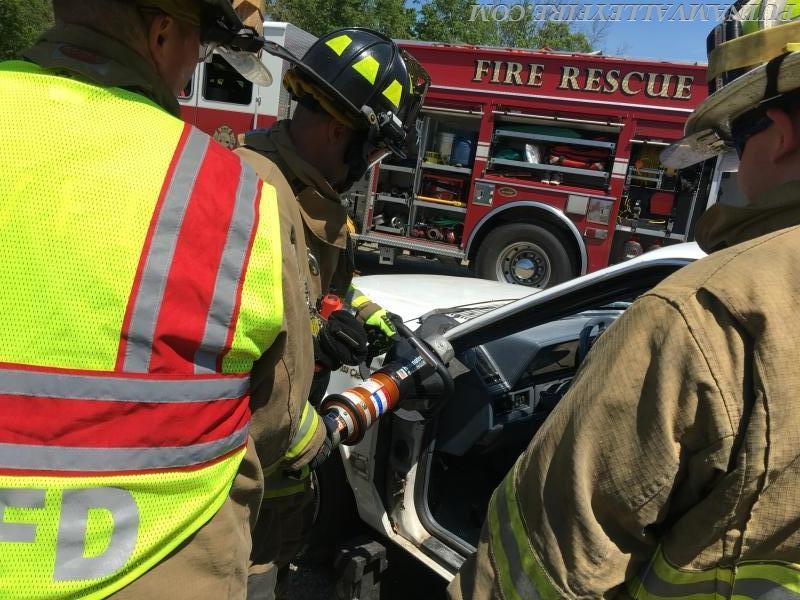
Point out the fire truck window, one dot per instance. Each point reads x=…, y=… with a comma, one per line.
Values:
x=222, y=83
x=186, y=92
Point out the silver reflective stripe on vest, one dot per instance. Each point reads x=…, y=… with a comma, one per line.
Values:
x=62, y=458
x=159, y=257
x=230, y=273
x=763, y=589
x=121, y=389
x=502, y=521
x=751, y=579
x=656, y=586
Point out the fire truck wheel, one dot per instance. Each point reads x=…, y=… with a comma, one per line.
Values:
x=525, y=254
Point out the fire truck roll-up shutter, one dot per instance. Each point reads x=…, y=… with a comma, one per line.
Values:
x=512, y=115
x=456, y=112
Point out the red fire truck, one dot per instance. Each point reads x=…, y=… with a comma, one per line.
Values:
x=532, y=166
x=537, y=166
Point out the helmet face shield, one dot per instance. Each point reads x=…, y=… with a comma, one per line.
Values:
x=694, y=148
x=420, y=81
x=397, y=130
x=376, y=155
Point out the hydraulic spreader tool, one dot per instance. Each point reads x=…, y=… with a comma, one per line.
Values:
x=414, y=366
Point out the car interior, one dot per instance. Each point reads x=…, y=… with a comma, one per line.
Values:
x=510, y=386
x=512, y=366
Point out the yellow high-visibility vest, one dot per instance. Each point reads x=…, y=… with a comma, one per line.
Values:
x=141, y=278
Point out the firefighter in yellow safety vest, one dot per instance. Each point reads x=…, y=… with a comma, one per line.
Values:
x=671, y=468
x=149, y=315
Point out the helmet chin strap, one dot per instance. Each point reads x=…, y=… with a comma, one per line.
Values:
x=356, y=159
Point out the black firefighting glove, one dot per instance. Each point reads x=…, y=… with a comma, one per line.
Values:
x=341, y=341
x=331, y=441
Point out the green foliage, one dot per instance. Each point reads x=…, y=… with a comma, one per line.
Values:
x=391, y=17
x=554, y=35
x=431, y=20
x=21, y=22
x=449, y=21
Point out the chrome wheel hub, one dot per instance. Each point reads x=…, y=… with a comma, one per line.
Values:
x=524, y=263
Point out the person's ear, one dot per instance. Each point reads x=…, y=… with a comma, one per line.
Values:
x=157, y=35
x=787, y=134
x=338, y=133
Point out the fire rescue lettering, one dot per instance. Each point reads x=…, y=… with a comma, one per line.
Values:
x=632, y=83
x=110, y=513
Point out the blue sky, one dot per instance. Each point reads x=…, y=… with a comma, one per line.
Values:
x=676, y=40
x=679, y=34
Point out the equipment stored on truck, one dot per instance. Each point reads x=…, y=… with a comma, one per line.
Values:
x=532, y=166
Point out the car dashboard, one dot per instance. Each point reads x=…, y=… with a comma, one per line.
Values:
x=511, y=384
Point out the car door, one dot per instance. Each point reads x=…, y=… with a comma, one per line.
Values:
x=512, y=367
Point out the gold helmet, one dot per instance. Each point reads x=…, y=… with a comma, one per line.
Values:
x=251, y=13
x=753, y=62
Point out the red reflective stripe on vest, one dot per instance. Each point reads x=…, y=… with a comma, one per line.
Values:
x=168, y=224
x=190, y=285
x=114, y=424
x=66, y=420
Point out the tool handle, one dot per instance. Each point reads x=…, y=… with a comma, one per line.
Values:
x=330, y=304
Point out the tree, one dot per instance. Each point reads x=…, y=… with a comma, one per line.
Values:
x=431, y=20
x=450, y=21
x=21, y=22
x=391, y=17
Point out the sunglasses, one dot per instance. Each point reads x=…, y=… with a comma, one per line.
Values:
x=743, y=128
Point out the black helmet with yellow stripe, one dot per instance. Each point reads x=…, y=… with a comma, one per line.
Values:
x=363, y=79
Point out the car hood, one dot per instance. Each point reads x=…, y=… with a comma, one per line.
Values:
x=412, y=296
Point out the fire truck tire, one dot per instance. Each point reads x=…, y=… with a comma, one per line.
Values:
x=525, y=254
x=335, y=515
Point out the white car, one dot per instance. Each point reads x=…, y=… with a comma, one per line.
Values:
x=422, y=477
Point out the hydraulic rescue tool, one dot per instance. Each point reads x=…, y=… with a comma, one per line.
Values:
x=413, y=367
